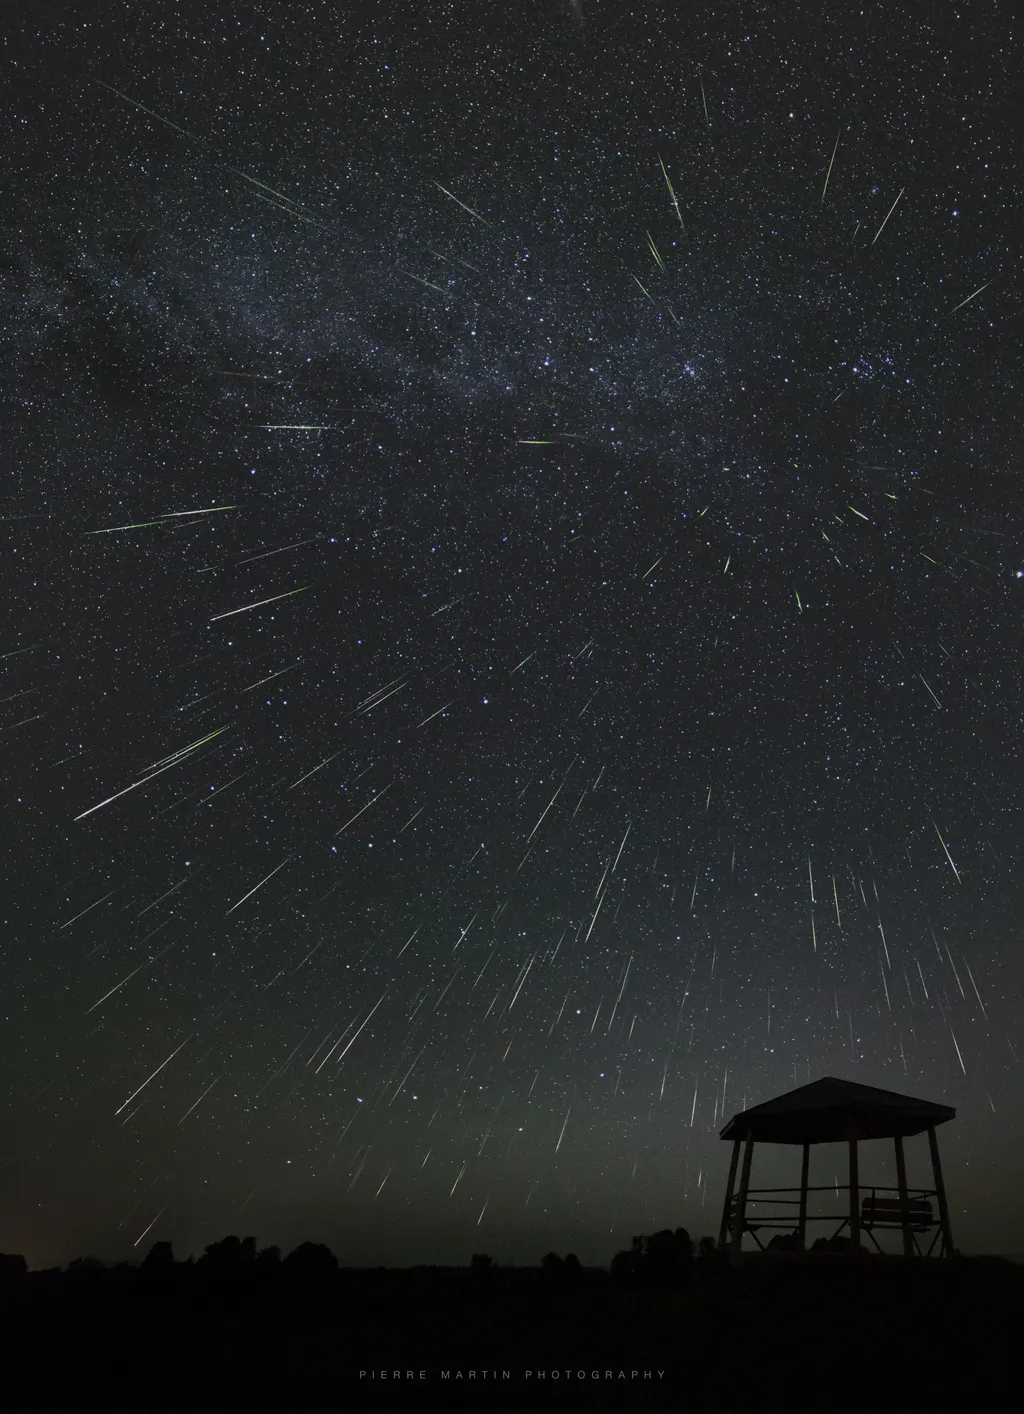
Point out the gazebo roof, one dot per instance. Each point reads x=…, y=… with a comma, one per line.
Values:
x=830, y=1111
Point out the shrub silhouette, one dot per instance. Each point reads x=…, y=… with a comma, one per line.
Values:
x=832, y=1244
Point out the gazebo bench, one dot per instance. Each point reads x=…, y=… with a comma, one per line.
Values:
x=889, y=1211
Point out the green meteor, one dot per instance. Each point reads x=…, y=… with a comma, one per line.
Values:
x=171, y=515
x=672, y=195
x=158, y=768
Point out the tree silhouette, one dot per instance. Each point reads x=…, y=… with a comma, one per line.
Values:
x=709, y=1258
x=626, y=1264
x=663, y=1259
x=224, y=1253
x=268, y=1256
x=159, y=1257
x=85, y=1266
x=481, y=1266
x=572, y=1271
x=311, y=1259
x=551, y=1266
x=229, y=1254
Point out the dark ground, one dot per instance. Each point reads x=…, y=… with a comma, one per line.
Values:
x=822, y=1334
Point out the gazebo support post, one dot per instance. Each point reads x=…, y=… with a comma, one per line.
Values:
x=854, y=1196
x=901, y=1180
x=801, y=1235
x=940, y=1193
x=723, y=1232
x=739, y=1217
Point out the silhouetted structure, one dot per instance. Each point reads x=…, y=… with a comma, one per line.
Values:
x=831, y=1111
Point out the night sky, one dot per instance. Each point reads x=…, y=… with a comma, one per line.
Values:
x=512, y=614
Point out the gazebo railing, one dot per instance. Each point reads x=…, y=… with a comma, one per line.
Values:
x=912, y=1211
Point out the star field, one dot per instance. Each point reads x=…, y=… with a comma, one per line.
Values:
x=513, y=591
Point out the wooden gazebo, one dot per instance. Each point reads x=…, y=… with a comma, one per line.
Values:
x=834, y=1111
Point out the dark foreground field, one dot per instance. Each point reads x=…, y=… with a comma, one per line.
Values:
x=823, y=1334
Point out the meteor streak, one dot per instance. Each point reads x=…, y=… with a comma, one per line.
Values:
x=152, y=1224
x=314, y=770
x=829, y=172
x=259, y=605
x=88, y=910
x=259, y=885
x=174, y=760
x=156, y=1072
x=977, y=292
x=370, y=802
x=462, y=204
x=672, y=195
x=892, y=208
x=429, y=284
x=948, y=855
